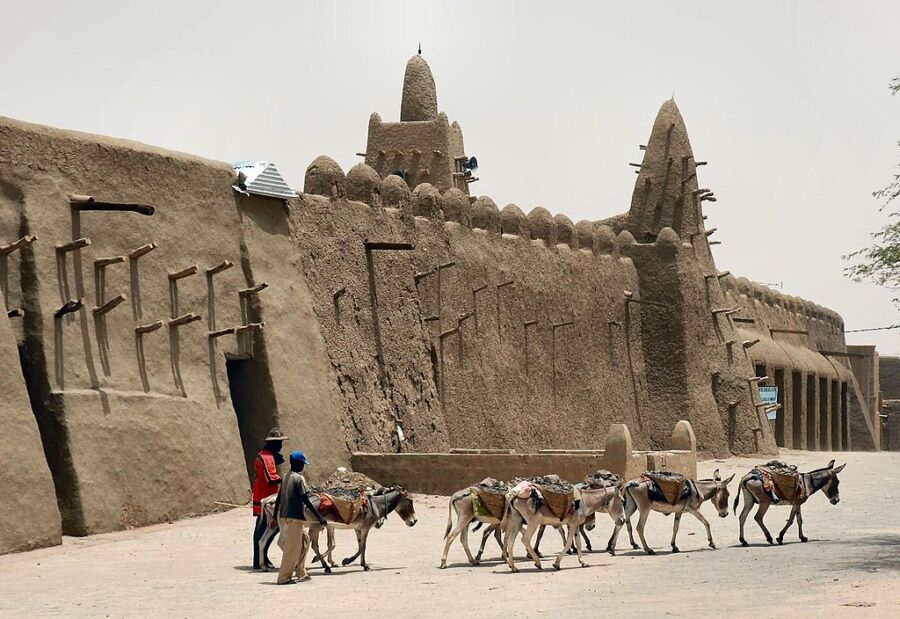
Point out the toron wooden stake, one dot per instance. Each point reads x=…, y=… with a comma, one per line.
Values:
x=26, y=240
x=133, y=256
x=336, y=301
x=211, y=293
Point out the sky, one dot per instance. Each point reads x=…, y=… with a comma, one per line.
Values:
x=788, y=101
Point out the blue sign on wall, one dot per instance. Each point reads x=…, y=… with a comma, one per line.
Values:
x=769, y=395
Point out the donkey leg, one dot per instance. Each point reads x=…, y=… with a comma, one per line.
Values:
x=587, y=540
x=484, y=538
x=567, y=543
x=803, y=538
x=363, y=536
x=464, y=540
x=514, y=523
x=642, y=520
x=314, y=532
x=578, y=549
x=526, y=540
x=675, y=531
x=613, y=538
x=749, y=502
x=696, y=513
x=537, y=542
x=498, y=535
x=790, y=521
x=763, y=508
x=352, y=558
x=329, y=535
x=450, y=537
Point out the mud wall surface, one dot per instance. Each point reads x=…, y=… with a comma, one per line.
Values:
x=29, y=513
x=289, y=380
x=134, y=429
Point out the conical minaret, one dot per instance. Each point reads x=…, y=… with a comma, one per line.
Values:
x=666, y=191
x=419, y=93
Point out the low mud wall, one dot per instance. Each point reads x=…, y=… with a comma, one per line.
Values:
x=445, y=473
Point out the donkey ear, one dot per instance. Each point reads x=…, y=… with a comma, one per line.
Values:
x=831, y=464
x=839, y=469
x=716, y=475
x=728, y=481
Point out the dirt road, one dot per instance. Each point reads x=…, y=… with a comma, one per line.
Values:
x=199, y=567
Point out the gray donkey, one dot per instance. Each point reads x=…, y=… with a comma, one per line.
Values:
x=638, y=497
x=751, y=488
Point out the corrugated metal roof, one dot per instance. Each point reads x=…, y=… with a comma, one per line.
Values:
x=262, y=178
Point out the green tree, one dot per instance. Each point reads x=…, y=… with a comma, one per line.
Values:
x=880, y=262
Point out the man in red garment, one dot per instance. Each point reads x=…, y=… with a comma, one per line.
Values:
x=266, y=482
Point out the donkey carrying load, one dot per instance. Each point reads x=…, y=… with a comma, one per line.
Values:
x=484, y=502
x=613, y=506
x=373, y=509
x=531, y=505
x=671, y=493
x=778, y=480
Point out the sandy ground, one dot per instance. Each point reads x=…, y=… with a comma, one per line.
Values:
x=199, y=567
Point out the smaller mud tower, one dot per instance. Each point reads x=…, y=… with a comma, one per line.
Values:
x=423, y=147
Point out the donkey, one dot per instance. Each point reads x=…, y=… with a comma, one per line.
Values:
x=613, y=506
x=751, y=488
x=382, y=503
x=461, y=503
x=637, y=497
x=531, y=513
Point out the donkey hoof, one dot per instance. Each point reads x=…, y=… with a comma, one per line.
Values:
x=538, y=565
x=650, y=551
x=780, y=540
x=443, y=565
x=635, y=546
x=675, y=549
x=712, y=545
x=366, y=568
x=476, y=562
x=744, y=543
x=556, y=566
x=771, y=541
x=327, y=569
x=513, y=569
x=478, y=557
x=345, y=562
x=804, y=539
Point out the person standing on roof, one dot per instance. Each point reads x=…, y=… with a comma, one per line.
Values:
x=289, y=510
x=266, y=482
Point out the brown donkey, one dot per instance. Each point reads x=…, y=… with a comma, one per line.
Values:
x=751, y=488
x=638, y=497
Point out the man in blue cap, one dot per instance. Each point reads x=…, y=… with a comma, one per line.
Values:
x=289, y=511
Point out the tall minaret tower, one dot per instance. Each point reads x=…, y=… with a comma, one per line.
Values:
x=423, y=147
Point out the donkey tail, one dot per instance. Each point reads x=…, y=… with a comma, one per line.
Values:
x=737, y=496
x=629, y=498
x=449, y=518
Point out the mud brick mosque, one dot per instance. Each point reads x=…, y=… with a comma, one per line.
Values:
x=164, y=311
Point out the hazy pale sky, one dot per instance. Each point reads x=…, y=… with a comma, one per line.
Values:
x=788, y=101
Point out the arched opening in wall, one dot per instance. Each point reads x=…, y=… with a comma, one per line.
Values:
x=811, y=412
x=823, y=414
x=835, y=416
x=796, y=410
x=760, y=370
x=845, y=420
x=253, y=400
x=779, y=414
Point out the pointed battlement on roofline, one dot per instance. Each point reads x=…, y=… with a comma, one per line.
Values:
x=391, y=194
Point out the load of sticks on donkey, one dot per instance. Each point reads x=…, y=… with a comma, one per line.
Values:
x=523, y=507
